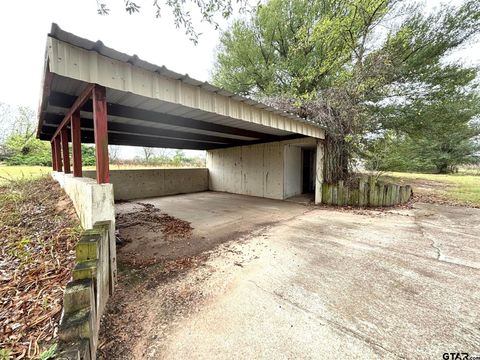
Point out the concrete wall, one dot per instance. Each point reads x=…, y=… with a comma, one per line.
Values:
x=93, y=202
x=143, y=183
x=255, y=170
x=293, y=171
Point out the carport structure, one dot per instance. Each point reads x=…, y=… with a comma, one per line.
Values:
x=94, y=94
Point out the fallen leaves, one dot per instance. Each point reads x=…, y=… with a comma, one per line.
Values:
x=37, y=239
x=153, y=219
x=149, y=220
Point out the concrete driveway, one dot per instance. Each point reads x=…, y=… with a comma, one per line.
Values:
x=320, y=283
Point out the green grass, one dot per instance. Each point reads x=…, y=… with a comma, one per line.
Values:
x=22, y=172
x=462, y=187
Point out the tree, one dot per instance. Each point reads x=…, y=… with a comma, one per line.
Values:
x=331, y=61
x=181, y=10
x=113, y=153
x=148, y=153
x=179, y=158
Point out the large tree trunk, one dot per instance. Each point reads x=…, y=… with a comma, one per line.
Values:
x=337, y=159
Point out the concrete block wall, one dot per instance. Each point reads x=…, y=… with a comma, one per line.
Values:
x=85, y=297
x=144, y=183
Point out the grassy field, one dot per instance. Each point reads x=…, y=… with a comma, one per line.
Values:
x=462, y=188
x=19, y=172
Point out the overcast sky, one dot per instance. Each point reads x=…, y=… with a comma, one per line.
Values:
x=24, y=26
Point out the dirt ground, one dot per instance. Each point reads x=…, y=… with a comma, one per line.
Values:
x=263, y=279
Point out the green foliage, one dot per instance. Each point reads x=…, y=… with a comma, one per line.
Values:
x=49, y=353
x=336, y=64
x=5, y=354
x=27, y=151
x=88, y=155
x=295, y=47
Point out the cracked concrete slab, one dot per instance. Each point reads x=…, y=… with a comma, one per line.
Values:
x=327, y=283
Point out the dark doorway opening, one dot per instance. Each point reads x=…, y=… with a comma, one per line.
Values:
x=308, y=159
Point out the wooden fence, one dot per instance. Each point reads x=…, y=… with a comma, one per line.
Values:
x=367, y=192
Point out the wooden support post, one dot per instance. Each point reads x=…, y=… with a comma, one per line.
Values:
x=361, y=193
x=54, y=164
x=65, y=153
x=58, y=153
x=76, y=144
x=101, y=135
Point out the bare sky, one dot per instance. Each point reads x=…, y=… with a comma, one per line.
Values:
x=24, y=26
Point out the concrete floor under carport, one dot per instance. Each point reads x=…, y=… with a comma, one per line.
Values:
x=216, y=217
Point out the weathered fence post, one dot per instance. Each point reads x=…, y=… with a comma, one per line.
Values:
x=340, y=193
x=361, y=190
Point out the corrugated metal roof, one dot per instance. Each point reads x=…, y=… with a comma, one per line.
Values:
x=149, y=105
x=98, y=46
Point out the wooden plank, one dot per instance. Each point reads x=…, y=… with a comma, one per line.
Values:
x=101, y=134
x=361, y=192
x=340, y=193
x=371, y=191
x=334, y=194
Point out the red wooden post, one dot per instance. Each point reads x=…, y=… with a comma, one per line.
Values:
x=76, y=144
x=66, y=155
x=101, y=135
x=58, y=153
x=54, y=165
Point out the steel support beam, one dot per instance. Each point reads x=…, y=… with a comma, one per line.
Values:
x=52, y=120
x=76, y=144
x=58, y=153
x=77, y=104
x=54, y=165
x=100, y=133
x=65, y=152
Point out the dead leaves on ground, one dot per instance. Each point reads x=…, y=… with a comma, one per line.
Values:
x=38, y=233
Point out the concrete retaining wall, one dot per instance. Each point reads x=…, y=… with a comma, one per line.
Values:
x=95, y=273
x=144, y=183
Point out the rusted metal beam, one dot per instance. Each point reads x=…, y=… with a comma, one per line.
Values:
x=76, y=144
x=81, y=99
x=65, y=153
x=54, y=163
x=101, y=134
x=58, y=153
